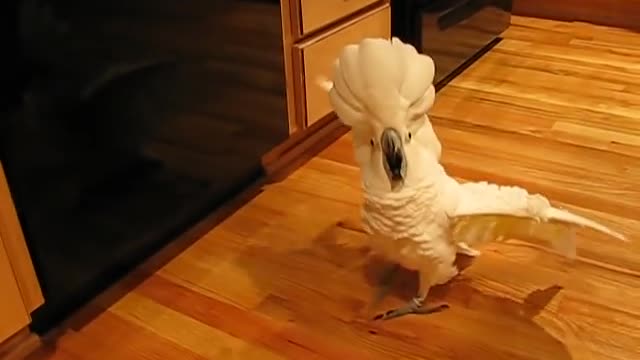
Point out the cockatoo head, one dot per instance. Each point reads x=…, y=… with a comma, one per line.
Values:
x=383, y=89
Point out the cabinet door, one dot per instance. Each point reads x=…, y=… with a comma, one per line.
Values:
x=13, y=314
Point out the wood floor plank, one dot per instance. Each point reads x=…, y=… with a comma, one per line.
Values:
x=565, y=124
x=280, y=337
x=112, y=337
x=199, y=338
x=552, y=108
x=51, y=352
x=556, y=170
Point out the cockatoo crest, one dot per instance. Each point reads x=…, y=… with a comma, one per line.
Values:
x=383, y=90
x=381, y=83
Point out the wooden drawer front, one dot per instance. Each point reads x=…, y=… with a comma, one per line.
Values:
x=318, y=58
x=13, y=315
x=16, y=249
x=318, y=13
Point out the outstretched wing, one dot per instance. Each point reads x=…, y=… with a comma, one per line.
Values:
x=486, y=212
x=480, y=229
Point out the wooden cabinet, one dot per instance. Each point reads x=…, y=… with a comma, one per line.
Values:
x=312, y=53
x=314, y=33
x=21, y=292
x=13, y=314
x=315, y=14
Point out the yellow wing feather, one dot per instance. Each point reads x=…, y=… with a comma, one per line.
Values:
x=476, y=230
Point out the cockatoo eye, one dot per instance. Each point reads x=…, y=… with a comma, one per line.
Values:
x=409, y=135
x=371, y=142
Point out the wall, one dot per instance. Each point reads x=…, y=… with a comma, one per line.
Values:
x=619, y=13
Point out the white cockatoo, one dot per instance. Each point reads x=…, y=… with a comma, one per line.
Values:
x=416, y=215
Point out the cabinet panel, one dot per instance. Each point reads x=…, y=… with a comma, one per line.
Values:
x=13, y=315
x=15, y=247
x=318, y=13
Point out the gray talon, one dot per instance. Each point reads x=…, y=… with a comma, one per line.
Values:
x=413, y=307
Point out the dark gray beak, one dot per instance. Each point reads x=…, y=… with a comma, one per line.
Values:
x=394, y=161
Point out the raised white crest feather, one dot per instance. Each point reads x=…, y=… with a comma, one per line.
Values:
x=380, y=80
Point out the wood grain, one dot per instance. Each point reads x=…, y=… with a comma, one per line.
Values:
x=288, y=276
x=12, y=309
x=20, y=345
x=315, y=14
x=19, y=260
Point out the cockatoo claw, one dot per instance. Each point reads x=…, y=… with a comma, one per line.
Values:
x=415, y=306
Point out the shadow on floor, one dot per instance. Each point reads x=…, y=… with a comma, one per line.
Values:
x=323, y=284
x=326, y=283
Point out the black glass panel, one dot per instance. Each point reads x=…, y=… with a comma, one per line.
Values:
x=130, y=120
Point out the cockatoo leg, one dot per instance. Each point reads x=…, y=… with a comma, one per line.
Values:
x=384, y=283
x=417, y=304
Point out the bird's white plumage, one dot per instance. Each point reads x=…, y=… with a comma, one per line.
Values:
x=407, y=228
x=382, y=83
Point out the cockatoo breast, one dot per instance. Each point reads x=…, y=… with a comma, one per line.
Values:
x=408, y=226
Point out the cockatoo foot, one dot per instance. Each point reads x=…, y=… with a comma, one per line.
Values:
x=465, y=249
x=415, y=306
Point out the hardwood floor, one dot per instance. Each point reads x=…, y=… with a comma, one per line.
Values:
x=555, y=108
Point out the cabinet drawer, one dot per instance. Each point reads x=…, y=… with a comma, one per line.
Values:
x=318, y=13
x=13, y=315
x=318, y=57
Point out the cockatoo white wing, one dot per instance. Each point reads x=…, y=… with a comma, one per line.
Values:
x=484, y=212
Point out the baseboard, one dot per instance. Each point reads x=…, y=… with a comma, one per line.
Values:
x=302, y=146
x=20, y=345
x=616, y=13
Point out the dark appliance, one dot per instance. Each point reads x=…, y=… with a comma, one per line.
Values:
x=130, y=120
x=453, y=32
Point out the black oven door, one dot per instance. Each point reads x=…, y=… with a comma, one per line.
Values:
x=452, y=32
